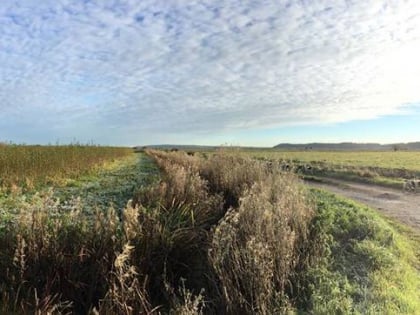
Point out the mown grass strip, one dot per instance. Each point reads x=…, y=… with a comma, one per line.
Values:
x=112, y=186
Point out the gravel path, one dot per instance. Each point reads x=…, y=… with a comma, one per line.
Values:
x=400, y=205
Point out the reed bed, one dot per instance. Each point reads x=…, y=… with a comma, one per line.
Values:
x=29, y=166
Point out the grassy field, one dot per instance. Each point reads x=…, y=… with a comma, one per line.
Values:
x=30, y=166
x=202, y=234
x=409, y=160
x=387, y=168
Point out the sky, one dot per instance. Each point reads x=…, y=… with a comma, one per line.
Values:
x=233, y=72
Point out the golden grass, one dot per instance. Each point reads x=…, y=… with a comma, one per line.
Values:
x=254, y=240
x=30, y=166
x=255, y=248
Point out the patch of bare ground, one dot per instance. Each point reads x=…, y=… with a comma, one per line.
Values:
x=398, y=204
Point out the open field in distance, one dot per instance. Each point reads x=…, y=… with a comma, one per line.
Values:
x=387, y=168
x=409, y=160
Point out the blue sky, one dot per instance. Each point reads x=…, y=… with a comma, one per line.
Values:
x=209, y=72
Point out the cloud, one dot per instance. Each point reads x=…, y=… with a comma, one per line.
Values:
x=122, y=69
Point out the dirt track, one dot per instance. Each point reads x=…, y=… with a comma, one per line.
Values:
x=403, y=206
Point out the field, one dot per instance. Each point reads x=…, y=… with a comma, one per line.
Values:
x=30, y=166
x=408, y=160
x=205, y=233
x=388, y=168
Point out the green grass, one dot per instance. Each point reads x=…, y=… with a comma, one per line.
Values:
x=366, y=266
x=113, y=185
x=328, y=178
x=384, y=159
x=386, y=168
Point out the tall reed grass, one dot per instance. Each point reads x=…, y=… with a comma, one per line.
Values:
x=30, y=166
x=258, y=228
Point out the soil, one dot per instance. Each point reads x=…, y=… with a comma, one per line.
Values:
x=398, y=204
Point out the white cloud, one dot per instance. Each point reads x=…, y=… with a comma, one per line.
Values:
x=199, y=67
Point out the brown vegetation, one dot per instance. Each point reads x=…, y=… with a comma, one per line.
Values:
x=216, y=235
x=28, y=166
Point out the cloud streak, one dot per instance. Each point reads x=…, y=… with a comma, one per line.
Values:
x=130, y=69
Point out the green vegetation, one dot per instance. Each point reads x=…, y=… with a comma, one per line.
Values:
x=213, y=234
x=114, y=184
x=364, y=265
x=31, y=166
x=387, y=168
x=408, y=160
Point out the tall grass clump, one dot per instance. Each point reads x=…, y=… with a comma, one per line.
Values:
x=257, y=229
x=232, y=175
x=176, y=215
x=58, y=259
x=256, y=247
x=54, y=255
x=29, y=166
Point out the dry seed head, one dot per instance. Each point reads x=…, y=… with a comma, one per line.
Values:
x=123, y=257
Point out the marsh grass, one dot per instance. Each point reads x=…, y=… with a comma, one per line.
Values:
x=256, y=247
x=30, y=166
x=56, y=253
x=252, y=223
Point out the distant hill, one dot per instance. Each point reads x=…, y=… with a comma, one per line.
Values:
x=349, y=146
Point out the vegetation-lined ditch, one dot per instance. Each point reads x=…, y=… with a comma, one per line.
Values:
x=221, y=234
